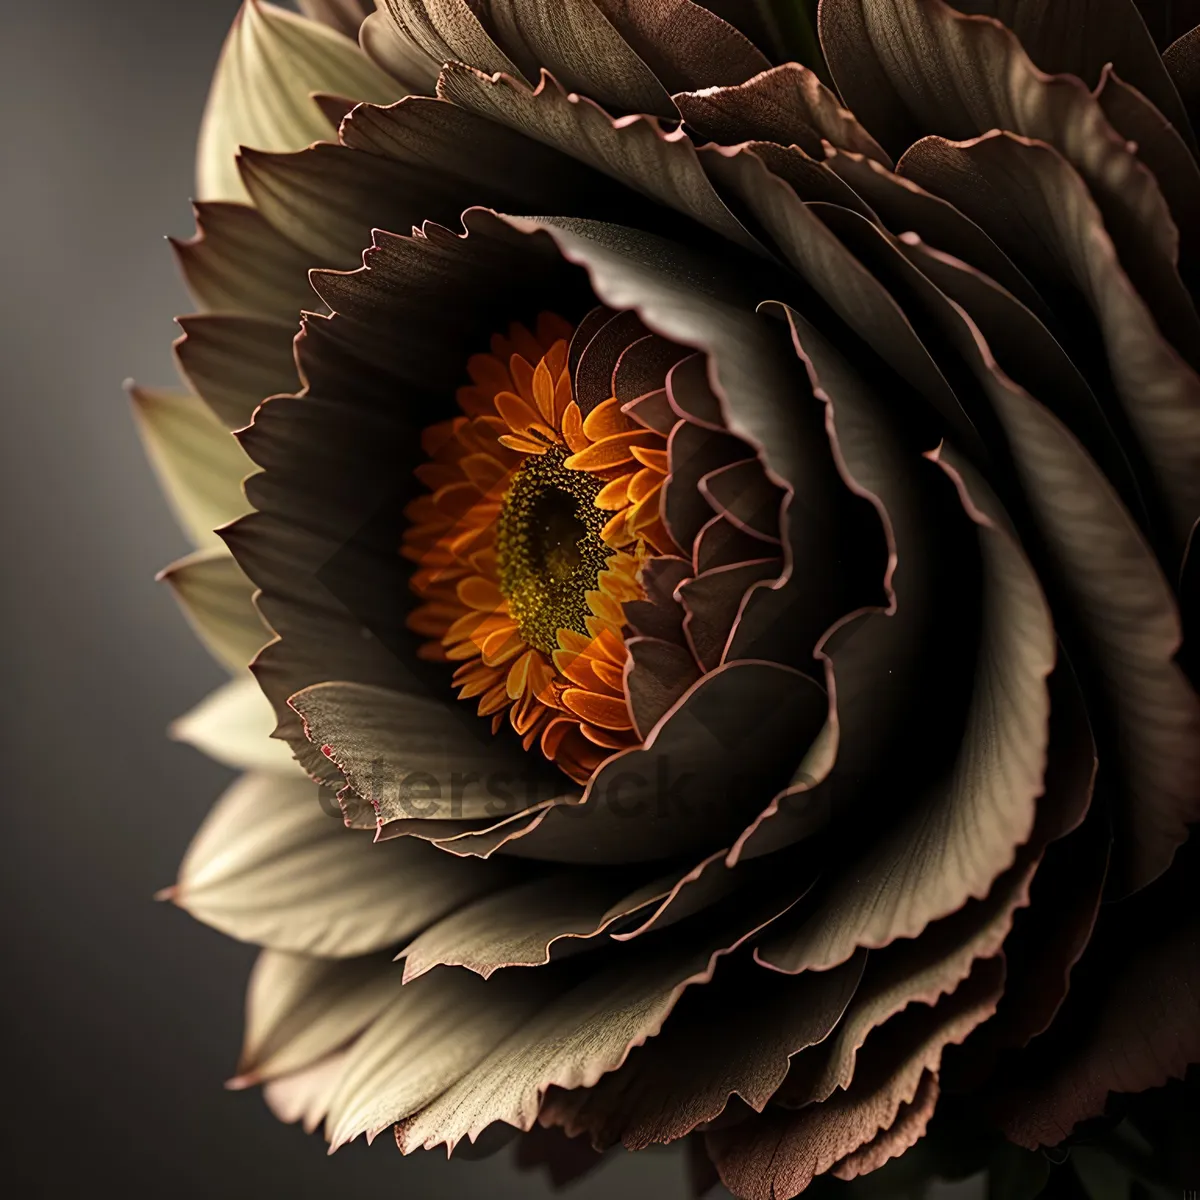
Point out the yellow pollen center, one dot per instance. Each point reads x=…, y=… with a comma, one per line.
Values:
x=548, y=548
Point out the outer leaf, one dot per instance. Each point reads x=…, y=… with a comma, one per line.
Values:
x=219, y=601
x=273, y=865
x=270, y=65
x=234, y=725
x=199, y=465
x=438, y=1029
x=301, y=1009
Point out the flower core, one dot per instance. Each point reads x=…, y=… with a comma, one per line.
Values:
x=549, y=554
x=530, y=540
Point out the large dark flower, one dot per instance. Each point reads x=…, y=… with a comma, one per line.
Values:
x=726, y=540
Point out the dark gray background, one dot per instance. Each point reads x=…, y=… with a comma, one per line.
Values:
x=121, y=1017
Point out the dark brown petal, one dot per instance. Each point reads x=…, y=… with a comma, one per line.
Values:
x=238, y=262
x=1126, y=608
x=952, y=843
x=659, y=673
x=903, y=206
x=1159, y=392
x=683, y=43
x=713, y=600
x=588, y=1030
x=775, y=1156
x=635, y=152
x=576, y=42
x=219, y=601
x=733, y=738
x=389, y=46
x=410, y=756
x=660, y=615
x=1182, y=60
x=273, y=866
x=1083, y=37
x=566, y=1160
x=834, y=273
x=235, y=362
x=456, y=158
x=694, y=452
x=446, y=30
x=743, y=495
x=597, y=363
x=686, y=1076
x=528, y=924
x=1161, y=148
x=971, y=76
x=721, y=543
x=642, y=371
x=906, y=1130
x=808, y=178
x=786, y=104
x=1145, y=1031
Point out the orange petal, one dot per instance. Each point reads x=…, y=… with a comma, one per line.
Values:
x=522, y=373
x=485, y=472
x=493, y=701
x=643, y=483
x=482, y=595
x=501, y=646
x=572, y=642
x=606, y=420
x=652, y=457
x=519, y=415
x=602, y=737
x=543, y=392
x=608, y=712
x=616, y=530
x=613, y=495
x=610, y=675
x=518, y=676
x=572, y=428
x=562, y=397
x=522, y=445
x=611, y=452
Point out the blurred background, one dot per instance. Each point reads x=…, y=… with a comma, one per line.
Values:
x=121, y=1017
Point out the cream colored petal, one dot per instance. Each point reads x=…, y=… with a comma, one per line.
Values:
x=261, y=96
x=234, y=725
x=300, y=1009
x=274, y=864
x=218, y=600
x=199, y=464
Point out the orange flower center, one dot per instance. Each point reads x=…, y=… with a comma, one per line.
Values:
x=528, y=543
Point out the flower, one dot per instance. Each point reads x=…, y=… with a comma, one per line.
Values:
x=720, y=545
